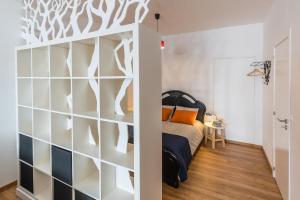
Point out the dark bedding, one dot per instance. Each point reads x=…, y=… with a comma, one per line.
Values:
x=180, y=147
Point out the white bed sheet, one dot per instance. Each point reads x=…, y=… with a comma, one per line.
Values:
x=194, y=133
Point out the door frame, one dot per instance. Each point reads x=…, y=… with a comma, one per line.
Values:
x=288, y=37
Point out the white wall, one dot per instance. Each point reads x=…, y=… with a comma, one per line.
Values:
x=10, y=34
x=283, y=16
x=212, y=66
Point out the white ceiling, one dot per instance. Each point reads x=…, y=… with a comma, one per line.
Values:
x=178, y=16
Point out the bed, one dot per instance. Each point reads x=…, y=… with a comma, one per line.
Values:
x=180, y=141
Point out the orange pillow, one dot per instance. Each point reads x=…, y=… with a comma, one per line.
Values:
x=166, y=113
x=184, y=117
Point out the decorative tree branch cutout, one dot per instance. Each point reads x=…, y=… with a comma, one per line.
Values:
x=46, y=20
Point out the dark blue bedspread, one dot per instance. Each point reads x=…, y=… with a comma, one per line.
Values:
x=180, y=147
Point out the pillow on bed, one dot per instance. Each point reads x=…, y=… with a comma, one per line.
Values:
x=187, y=108
x=184, y=116
x=166, y=112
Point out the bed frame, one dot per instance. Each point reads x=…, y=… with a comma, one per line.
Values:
x=170, y=163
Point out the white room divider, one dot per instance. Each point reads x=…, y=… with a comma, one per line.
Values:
x=89, y=116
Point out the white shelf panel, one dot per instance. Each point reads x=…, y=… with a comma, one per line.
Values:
x=86, y=136
x=24, y=63
x=116, y=99
x=61, y=127
x=42, y=158
x=120, y=159
x=82, y=57
x=60, y=60
x=111, y=117
x=112, y=50
x=40, y=62
x=25, y=120
x=41, y=125
x=25, y=92
x=42, y=186
x=86, y=175
x=61, y=95
x=85, y=97
x=119, y=194
x=115, y=77
x=41, y=92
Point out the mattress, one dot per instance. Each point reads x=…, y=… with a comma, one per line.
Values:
x=194, y=133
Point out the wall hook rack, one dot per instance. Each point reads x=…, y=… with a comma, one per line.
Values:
x=263, y=71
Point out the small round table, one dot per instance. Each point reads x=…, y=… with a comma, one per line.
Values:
x=211, y=133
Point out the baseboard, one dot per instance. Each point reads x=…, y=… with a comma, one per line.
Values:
x=5, y=187
x=23, y=194
x=244, y=144
x=269, y=163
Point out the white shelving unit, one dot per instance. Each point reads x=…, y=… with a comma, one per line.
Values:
x=82, y=101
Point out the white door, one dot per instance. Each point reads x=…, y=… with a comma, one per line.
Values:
x=282, y=116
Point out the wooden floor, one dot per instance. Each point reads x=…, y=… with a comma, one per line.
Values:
x=9, y=194
x=234, y=173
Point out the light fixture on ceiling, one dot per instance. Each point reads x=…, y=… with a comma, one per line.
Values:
x=263, y=71
x=162, y=42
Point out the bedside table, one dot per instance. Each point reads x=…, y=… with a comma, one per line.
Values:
x=211, y=133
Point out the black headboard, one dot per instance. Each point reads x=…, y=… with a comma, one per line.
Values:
x=179, y=98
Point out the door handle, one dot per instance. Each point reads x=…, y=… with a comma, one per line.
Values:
x=283, y=120
x=285, y=127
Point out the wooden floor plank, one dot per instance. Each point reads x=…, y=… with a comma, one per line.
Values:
x=234, y=173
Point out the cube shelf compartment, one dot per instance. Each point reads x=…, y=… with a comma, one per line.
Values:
x=62, y=164
x=25, y=120
x=24, y=63
x=86, y=175
x=61, y=97
x=25, y=92
x=81, y=196
x=40, y=62
x=113, y=149
x=61, y=127
x=42, y=156
x=115, y=106
x=79, y=102
x=86, y=136
x=83, y=52
x=41, y=124
x=41, y=92
x=42, y=185
x=61, y=191
x=112, y=50
x=26, y=176
x=117, y=183
x=25, y=149
x=85, y=95
x=60, y=60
